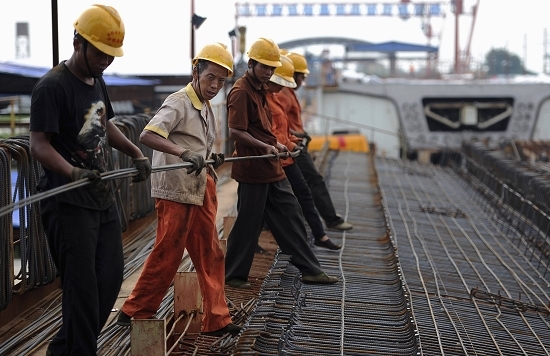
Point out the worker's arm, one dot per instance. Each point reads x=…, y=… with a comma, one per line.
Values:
x=157, y=142
x=120, y=142
x=43, y=151
x=245, y=138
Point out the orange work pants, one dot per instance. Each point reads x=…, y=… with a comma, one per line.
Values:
x=182, y=226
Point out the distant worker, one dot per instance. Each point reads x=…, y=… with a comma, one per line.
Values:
x=70, y=131
x=263, y=192
x=315, y=181
x=283, y=78
x=184, y=128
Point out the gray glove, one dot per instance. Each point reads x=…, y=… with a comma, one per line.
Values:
x=144, y=169
x=196, y=159
x=299, y=148
x=81, y=173
x=218, y=158
x=98, y=185
x=303, y=145
x=308, y=139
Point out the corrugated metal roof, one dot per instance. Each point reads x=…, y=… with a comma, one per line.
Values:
x=37, y=72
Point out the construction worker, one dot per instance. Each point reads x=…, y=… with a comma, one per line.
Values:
x=184, y=128
x=70, y=130
x=315, y=181
x=263, y=192
x=283, y=78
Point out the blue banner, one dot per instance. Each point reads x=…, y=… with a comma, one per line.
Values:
x=350, y=9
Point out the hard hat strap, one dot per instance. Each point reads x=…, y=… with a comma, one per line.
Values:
x=86, y=59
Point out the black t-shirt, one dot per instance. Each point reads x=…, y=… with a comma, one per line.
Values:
x=76, y=114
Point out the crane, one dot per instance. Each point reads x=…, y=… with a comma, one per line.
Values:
x=467, y=55
x=462, y=64
x=405, y=9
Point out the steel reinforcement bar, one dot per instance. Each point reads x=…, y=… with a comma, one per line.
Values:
x=450, y=243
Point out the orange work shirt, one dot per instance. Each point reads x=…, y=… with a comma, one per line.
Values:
x=292, y=107
x=279, y=126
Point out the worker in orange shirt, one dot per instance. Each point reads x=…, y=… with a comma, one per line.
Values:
x=315, y=181
x=283, y=78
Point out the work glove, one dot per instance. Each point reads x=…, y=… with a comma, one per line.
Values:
x=196, y=159
x=218, y=158
x=299, y=148
x=99, y=186
x=80, y=173
x=302, y=134
x=144, y=169
x=303, y=145
x=307, y=139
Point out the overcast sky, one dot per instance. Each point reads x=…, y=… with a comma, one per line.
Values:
x=158, y=32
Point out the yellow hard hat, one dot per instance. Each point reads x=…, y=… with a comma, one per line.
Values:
x=216, y=53
x=299, y=61
x=283, y=51
x=102, y=26
x=265, y=51
x=284, y=75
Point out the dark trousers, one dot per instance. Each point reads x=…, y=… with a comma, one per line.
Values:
x=86, y=246
x=319, y=191
x=275, y=203
x=303, y=194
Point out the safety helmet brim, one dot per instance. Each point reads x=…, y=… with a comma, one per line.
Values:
x=285, y=82
x=275, y=64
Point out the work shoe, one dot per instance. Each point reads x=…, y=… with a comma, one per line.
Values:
x=229, y=328
x=342, y=226
x=327, y=244
x=321, y=278
x=123, y=319
x=238, y=283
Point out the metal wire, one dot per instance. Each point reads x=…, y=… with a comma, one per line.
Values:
x=453, y=253
x=123, y=173
x=349, y=318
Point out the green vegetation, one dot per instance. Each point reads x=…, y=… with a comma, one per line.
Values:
x=500, y=61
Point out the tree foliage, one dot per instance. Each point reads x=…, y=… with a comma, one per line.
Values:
x=501, y=62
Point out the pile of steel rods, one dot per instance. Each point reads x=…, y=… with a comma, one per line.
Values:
x=450, y=261
x=348, y=318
